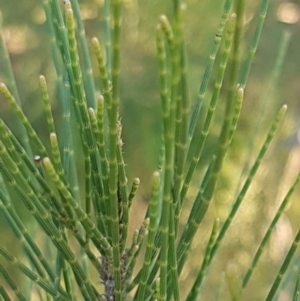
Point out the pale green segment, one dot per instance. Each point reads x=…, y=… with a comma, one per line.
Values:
x=236, y=114
x=134, y=188
x=284, y=267
x=106, y=85
x=47, y=105
x=239, y=8
x=267, y=236
x=194, y=292
x=101, y=141
x=101, y=144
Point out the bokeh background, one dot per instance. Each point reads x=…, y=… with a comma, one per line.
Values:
x=26, y=37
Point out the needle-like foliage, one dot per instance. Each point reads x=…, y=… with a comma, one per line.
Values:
x=79, y=243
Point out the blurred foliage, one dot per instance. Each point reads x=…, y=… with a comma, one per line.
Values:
x=27, y=42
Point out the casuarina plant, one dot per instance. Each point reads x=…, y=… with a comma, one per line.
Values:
x=68, y=200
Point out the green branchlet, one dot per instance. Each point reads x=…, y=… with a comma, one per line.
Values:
x=83, y=211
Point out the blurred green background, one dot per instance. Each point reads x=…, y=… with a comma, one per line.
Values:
x=26, y=37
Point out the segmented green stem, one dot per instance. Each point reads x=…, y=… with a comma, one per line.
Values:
x=236, y=114
x=176, y=52
x=200, y=277
x=134, y=188
x=101, y=143
x=103, y=73
x=284, y=267
x=172, y=148
x=21, y=232
x=169, y=139
x=58, y=35
x=204, y=196
x=46, y=285
x=113, y=145
x=62, y=268
x=67, y=280
x=107, y=19
x=7, y=139
x=210, y=112
x=135, y=249
x=97, y=125
x=98, y=239
x=47, y=105
x=183, y=132
x=24, y=163
x=153, y=206
x=17, y=181
x=169, y=120
x=181, y=136
x=267, y=100
x=254, y=43
x=122, y=194
x=173, y=283
x=235, y=57
x=208, y=69
x=92, y=172
x=249, y=179
x=163, y=73
x=87, y=67
x=266, y=237
x=11, y=283
x=58, y=167
x=296, y=296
